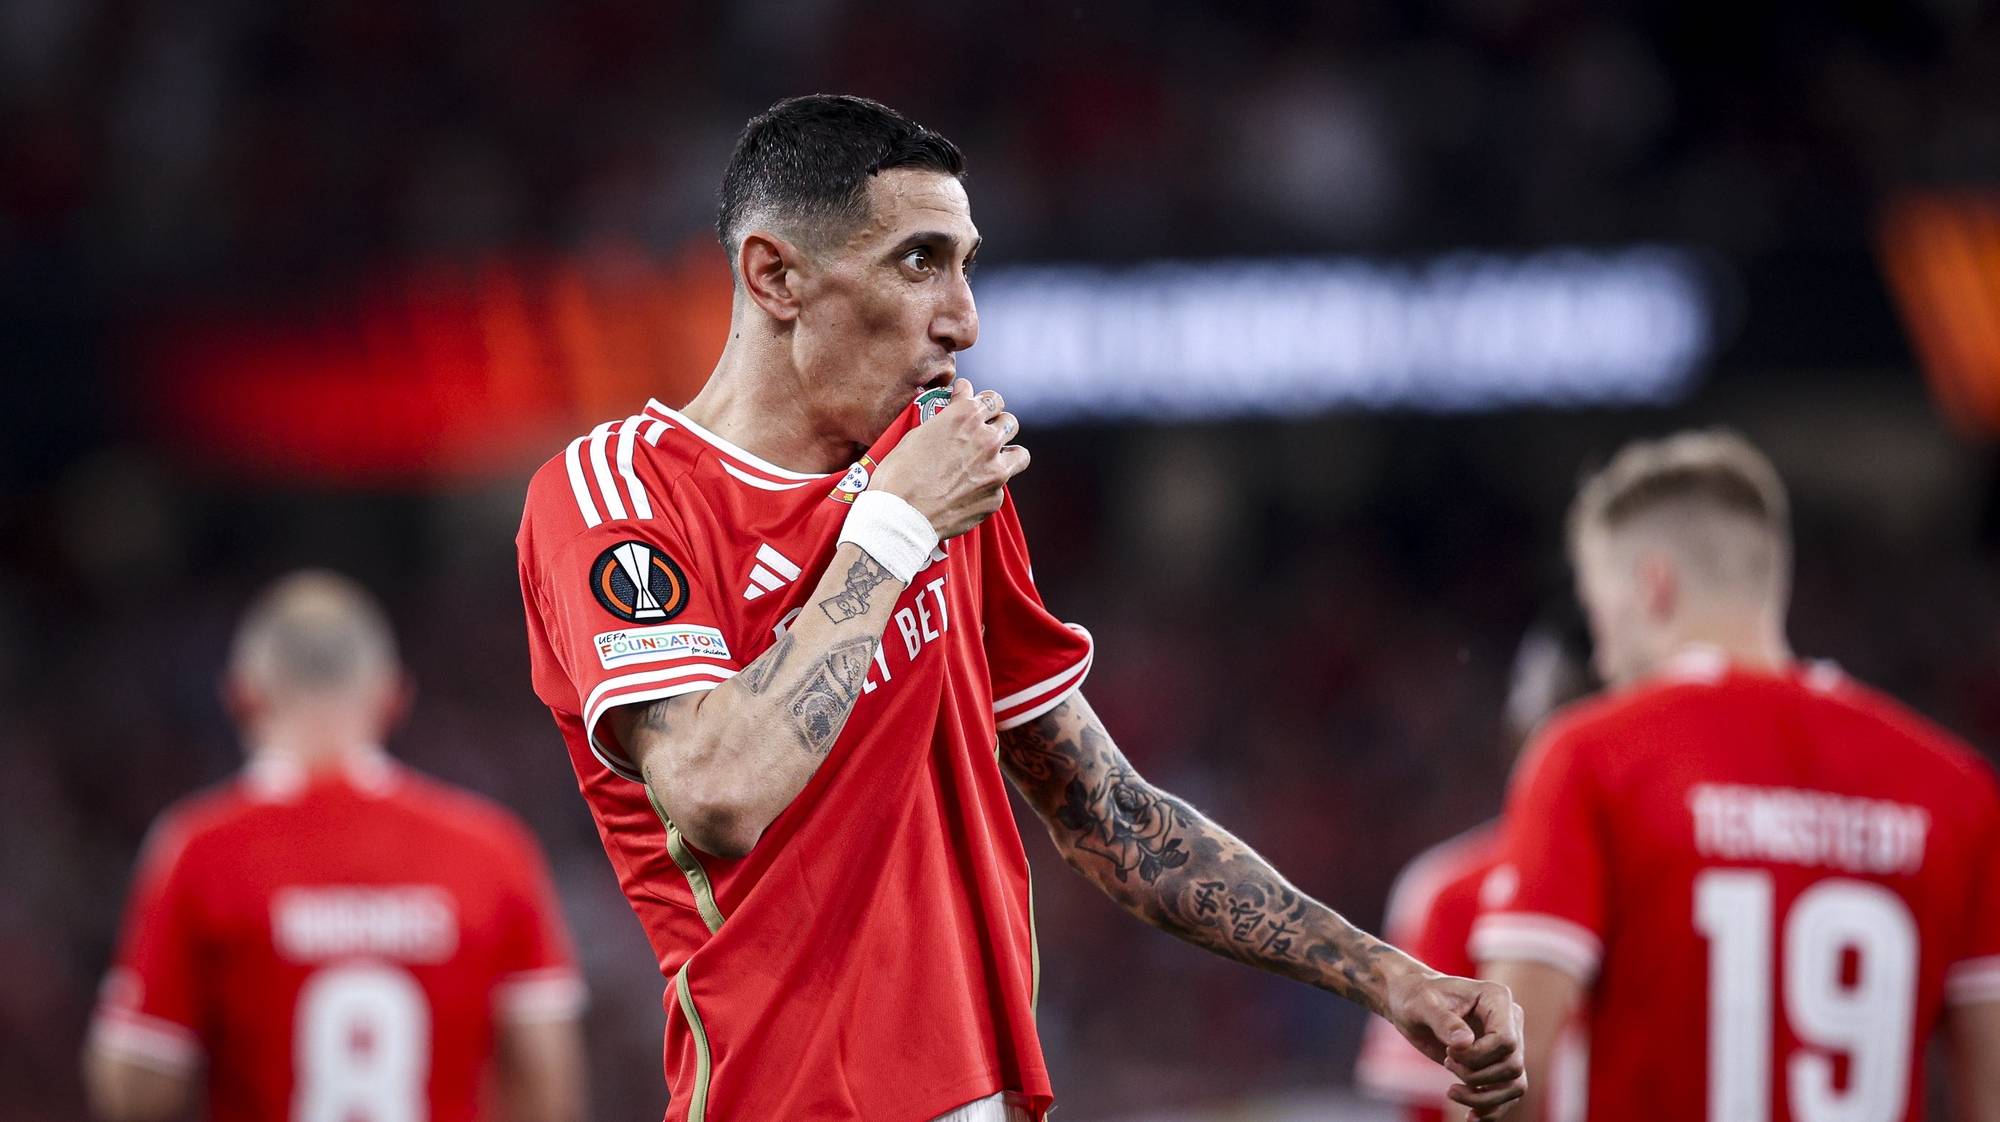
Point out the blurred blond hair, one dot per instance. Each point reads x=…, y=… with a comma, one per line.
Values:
x=314, y=633
x=1709, y=495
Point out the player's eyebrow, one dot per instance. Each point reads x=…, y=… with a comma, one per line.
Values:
x=939, y=238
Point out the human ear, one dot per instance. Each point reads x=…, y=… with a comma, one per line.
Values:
x=398, y=699
x=240, y=699
x=768, y=265
x=1659, y=586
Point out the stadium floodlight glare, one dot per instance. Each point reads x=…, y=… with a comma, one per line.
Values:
x=1466, y=331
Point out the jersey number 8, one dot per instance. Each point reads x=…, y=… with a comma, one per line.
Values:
x=361, y=1046
x=1870, y=1020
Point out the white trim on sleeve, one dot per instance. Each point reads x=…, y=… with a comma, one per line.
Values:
x=1972, y=981
x=1020, y=707
x=627, y=434
x=1534, y=937
x=534, y=996
x=600, y=466
x=573, y=461
x=629, y=689
x=153, y=1042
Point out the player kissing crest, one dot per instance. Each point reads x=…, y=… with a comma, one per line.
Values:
x=854, y=482
x=931, y=402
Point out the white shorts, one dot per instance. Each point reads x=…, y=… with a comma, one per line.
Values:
x=993, y=1108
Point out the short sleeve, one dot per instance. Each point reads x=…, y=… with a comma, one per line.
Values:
x=1036, y=660
x=150, y=1007
x=628, y=616
x=1973, y=977
x=1545, y=900
x=538, y=979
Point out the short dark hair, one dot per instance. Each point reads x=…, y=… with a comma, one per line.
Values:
x=806, y=161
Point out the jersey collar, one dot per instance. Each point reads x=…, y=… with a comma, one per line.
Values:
x=1705, y=662
x=274, y=777
x=738, y=461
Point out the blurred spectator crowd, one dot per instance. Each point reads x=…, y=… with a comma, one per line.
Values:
x=246, y=145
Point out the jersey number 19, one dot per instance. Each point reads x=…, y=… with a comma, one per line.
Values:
x=1869, y=1020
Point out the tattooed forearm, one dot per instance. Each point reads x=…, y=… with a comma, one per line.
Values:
x=863, y=578
x=822, y=702
x=1168, y=864
x=757, y=676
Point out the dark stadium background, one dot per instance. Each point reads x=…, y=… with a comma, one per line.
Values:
x=250, y=256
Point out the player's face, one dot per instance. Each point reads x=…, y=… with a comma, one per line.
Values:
x=1624, y=638
x=885, y=312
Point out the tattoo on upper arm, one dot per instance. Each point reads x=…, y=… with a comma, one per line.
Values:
x=1166, y=862
x=863, y=578
x=820, y=705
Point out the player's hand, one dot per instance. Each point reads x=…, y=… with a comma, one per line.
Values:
x=953, y=467
x=1471, y=1027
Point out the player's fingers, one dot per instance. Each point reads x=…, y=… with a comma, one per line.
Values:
x=1006, y=425
x=1483, y=1051
x=1445, y=1023
x=961, y=388
x=990, y=402
x=1487, y=1099
x=1013, y=460
x=1495, y=1013
x=1493, y=1007
x=1510, y=1068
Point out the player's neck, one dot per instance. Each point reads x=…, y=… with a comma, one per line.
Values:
x=314, y=741
x=756, y=400
x=1745, y=640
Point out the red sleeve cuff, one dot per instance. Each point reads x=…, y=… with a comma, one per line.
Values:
x=648, y=685
x=1022, y=706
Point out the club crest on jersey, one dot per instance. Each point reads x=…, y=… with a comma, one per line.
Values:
x=932, y=402
x=638, y=583
x=854, y=482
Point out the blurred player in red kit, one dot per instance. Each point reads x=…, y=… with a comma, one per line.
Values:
x=792, y=639
x=333, y=937
x=1767, y=885
x=1436, y=897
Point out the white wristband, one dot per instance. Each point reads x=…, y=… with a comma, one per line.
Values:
x=891, y=531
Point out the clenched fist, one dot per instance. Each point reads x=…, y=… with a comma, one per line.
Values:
x=1471, y=1027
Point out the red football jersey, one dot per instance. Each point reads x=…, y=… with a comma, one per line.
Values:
x=873, y=956
x=1773, y=883
x=338, y=946
x=1431, y=911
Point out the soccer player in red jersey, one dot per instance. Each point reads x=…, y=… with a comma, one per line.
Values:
x=333, y=936
x=1436, y=897
x=1767, y=885
x=792, y=639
